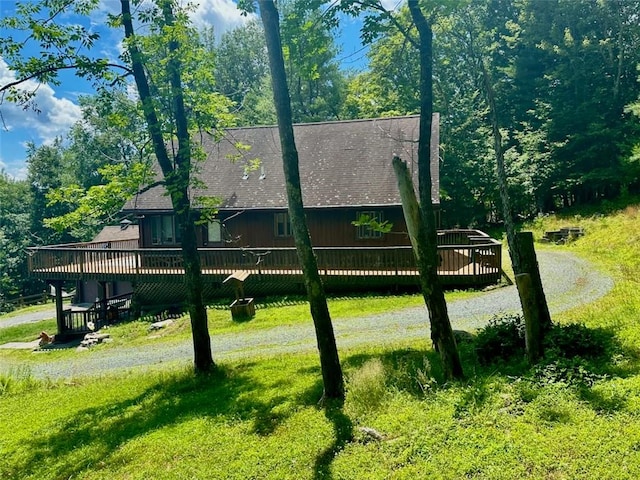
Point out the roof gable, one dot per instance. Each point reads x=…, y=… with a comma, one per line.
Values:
x=345, y=163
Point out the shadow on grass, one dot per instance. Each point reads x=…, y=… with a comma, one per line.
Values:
x=343, y=434
x=238, y=393
x=174, y=398
x=577, y=357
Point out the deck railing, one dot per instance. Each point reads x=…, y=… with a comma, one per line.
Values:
x=101, y=313
x=468, y=253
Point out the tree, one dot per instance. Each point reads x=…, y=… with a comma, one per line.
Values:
x=177, y=171
x=388, y=86
x=329, y=360
x=106, y=160
x=422, y=216
x=44, y=165
x=574, y=70
x=482, y=48
x=315, y=83
x=441, y=331
x=15, y=207
x=172, y=107
x=241, y=69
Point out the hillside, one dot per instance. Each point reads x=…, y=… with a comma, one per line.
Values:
x=570, y=417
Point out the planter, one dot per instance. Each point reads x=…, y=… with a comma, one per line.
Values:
x=243, y=309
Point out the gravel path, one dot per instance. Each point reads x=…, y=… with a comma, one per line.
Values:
x=31, y=317
x=568, y=282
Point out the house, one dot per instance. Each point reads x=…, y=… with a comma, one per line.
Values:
x=345, y=171
x=346, y=175
x=125, y=235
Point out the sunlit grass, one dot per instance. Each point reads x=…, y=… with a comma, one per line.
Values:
x=270, y=313
x=260, y=418
x=26, y=332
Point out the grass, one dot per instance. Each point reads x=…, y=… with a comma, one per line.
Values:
x=259, y=418
x=26, y=332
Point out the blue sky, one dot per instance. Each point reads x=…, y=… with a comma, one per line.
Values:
x=58, y=105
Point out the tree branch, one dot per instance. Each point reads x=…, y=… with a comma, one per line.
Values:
x=37, y=74
x=150, y=186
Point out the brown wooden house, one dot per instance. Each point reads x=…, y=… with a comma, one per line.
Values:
x=345, y=170
x=346, y=173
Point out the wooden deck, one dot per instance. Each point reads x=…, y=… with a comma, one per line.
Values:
x=477, y=261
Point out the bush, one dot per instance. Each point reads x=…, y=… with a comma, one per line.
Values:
x=501, y=340
x=565, y=372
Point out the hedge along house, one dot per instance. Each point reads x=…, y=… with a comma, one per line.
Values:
x=346, y=174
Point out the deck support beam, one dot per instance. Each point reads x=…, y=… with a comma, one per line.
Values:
x=57, y=287
x=103, y=299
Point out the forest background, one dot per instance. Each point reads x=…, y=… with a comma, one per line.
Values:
x=565, y=76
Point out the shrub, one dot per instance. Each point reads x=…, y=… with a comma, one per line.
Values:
x=566, y=372
x=501, y=339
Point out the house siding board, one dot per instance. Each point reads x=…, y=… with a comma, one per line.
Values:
x=327, y=227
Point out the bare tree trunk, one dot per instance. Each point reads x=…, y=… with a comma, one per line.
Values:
x=177, y=181
x=426, y=249
x=521, y=251
x=329, y=360
x=441, y=331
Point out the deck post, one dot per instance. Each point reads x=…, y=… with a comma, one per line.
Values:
x=103, y=301
x=57, y=286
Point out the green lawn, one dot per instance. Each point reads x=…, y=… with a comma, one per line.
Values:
x=576, y=418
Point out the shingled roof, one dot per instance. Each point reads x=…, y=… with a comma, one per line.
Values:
x=345, y=163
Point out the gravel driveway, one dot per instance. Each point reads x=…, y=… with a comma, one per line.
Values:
x=31, y=317
x=568, y=282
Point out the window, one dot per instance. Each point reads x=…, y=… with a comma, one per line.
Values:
x=282, y=225
x=369, y=218
x=214, y=232
x=164, y=230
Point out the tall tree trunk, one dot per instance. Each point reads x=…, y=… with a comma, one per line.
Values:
x=427, y=251
x=516, y=250
x=177, y=180
x=329, y=360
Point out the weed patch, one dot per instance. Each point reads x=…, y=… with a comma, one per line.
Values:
x=501, y=340
x=366, y=388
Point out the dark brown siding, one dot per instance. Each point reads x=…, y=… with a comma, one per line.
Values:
x=328, y=227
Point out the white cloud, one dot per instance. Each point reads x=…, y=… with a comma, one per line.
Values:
x=223, y=15
x=16, y=170
x=392, y=5
x=56, y=115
